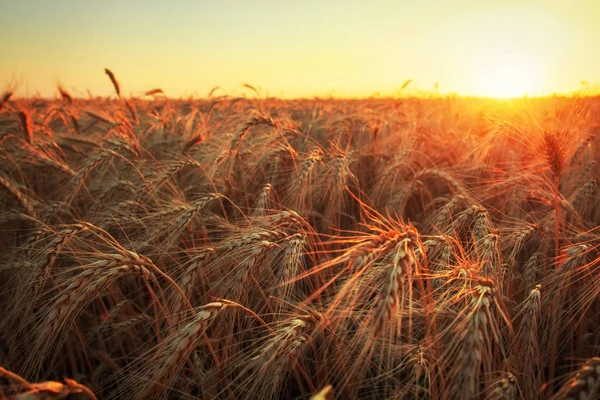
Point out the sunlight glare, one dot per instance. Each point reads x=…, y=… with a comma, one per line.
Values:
x=508, y=76
x=511, y=54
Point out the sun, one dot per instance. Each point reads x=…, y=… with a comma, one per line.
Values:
x=508, y=75
x=508, y=54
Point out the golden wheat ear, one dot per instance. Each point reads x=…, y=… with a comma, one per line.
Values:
x=5, y=98
x=324, y=394
x=45, y=390
x=114, y=81
x=26, y=123
x=65, y=95
x=585, y=384
x=555, y=153
x=153, y=92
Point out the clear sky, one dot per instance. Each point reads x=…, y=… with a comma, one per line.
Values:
x=300, y=48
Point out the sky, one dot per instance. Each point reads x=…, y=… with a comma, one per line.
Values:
x=300, y=48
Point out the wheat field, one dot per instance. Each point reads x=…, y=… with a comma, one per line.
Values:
x=259, y=248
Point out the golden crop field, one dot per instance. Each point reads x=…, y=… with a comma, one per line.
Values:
x=258, y=248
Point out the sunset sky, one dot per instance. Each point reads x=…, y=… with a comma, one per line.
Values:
x=301, y=48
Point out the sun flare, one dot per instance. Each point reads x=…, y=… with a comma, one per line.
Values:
x=509, y=53
x=508, y=76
